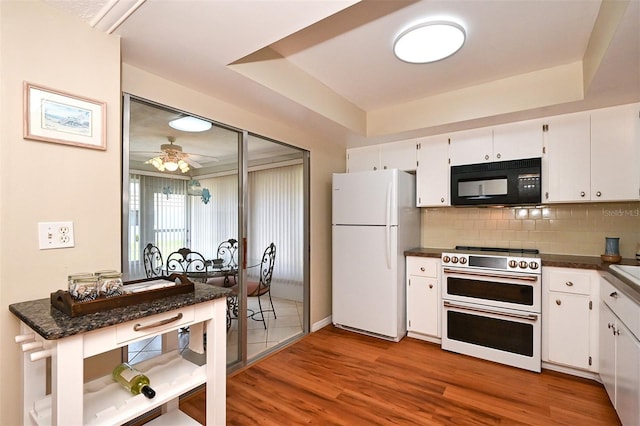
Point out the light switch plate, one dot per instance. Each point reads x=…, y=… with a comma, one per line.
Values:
x=53, y=235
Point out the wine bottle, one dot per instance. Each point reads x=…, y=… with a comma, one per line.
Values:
x=132, y=380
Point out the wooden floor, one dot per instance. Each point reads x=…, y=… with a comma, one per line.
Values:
x=334, y=377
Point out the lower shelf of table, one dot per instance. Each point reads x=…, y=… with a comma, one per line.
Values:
x=107, y=403
x=173, y=418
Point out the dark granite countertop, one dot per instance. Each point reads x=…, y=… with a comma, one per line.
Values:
x=425, y=252
x=558, y=260
x=53, y=324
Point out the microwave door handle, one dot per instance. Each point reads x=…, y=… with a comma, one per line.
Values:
x=388, y=227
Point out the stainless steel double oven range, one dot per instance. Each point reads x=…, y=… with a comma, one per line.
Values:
x=492, y=305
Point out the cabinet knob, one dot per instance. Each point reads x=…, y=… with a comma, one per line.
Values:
x=569, y=284
x=614, y=295
x=609, y=325
x=422, y=268
x=375, y=168
x=498, y=155
x=598, y=194
x=558, y=302
x=430, y=285
x=442, y=200
x=582, y=193
x=486, y=157
x=384, y=167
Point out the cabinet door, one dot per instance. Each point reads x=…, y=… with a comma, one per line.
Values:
x=471, y=146
x=627, y=376
x=607, y=367
x=363, y=159
x=519, y=140
x=568, y=332
x=615, y=153
x=566, y=162
x=422, y=305
x=432, y=176
x=399, y=155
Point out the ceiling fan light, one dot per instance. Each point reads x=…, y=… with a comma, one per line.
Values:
x=171, y=165
x=429, y=42
x=157, y=163
x=183, y=165
x=190, y=124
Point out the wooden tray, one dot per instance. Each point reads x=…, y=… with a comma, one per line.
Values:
x=63, y=301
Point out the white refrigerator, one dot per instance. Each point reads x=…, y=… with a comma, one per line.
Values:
x=374, y=220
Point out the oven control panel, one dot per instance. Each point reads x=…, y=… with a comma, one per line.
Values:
x=501, y=263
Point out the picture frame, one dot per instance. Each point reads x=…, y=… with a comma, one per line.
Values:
x=58, y=117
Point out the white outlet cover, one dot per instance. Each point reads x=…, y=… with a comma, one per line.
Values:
x=53, y=235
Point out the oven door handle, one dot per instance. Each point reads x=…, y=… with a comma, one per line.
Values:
x=532, y=278
x=529, y=317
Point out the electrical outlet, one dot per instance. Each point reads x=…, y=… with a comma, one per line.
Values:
x=53, y=235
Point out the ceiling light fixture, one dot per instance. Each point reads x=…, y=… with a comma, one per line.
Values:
x=429, y=42
x=170, y=163
x=190, y=124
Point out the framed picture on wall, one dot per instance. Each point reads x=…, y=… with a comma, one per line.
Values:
x=58, y=117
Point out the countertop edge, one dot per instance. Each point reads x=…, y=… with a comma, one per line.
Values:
x=52, y=324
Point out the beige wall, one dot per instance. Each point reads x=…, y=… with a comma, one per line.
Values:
x=47, y=182
x=578, y=229
x=50, y=182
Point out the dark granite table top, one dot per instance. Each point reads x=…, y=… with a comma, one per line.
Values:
x=53, y=324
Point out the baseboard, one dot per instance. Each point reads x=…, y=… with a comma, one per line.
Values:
x=572, y=371
x=320, y=324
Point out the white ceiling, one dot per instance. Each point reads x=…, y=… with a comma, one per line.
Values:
x=329, y=66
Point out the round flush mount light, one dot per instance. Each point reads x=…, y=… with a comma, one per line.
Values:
x=429, y=42
x=190, y=124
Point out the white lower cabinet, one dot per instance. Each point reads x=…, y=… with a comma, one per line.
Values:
x=570, y=318
x=423, y=298
x=620, y=352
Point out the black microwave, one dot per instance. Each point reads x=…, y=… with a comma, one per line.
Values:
x=501, y=183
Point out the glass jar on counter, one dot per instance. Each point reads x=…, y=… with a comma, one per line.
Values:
x=83, y=287
x=109, y=283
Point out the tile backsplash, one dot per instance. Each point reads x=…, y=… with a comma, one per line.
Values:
x=577, y=229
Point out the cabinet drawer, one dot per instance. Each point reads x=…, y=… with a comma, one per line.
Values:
x=570, y=282
x=621, y=305
x=424, y=267
x=154, y=324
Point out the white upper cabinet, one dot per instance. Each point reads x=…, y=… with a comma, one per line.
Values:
x=363, y=159
x=615, y=153
x=566, y=162
x=593, y=156
x=396, y=155
x=515, y=141
x=471, y=146
x=432, y=175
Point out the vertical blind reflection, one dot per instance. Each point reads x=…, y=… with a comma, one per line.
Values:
x=162, y=213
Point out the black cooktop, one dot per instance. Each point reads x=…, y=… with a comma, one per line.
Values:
x=499, y=250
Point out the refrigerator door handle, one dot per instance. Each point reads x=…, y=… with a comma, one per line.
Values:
x=388, y=225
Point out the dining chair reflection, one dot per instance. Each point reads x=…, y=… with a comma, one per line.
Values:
x=190, y=263
x=152, y=259
x=224, y=268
